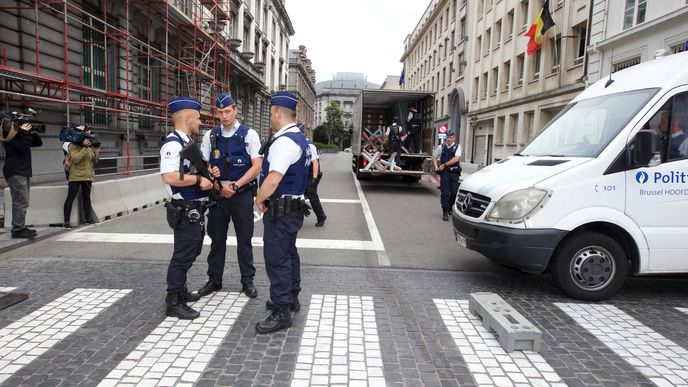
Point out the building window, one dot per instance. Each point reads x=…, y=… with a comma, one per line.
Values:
x=488, y=38
x=274, y=31
x=556, y=53
x=478, y=48
x=493, y=81
x=513, y=129
x=481, y=7
x=499, y=131
x=625, y=64
x=453, y=40
x=580, y=32
x=528, y=130
x=509, y=26
x=474, y=90
x=453, y=10
x=444, y=77
x=484, y=85
x=93, y=67
x=520, y=68
x=536, y=64
x=442, y=107
x=463, y=28
x=524, y=14
x=634, y=13
x=506, y=76
x=258, y=13
x=675, y=49
x=451, y=71
x=462, y=63
x=498, y=34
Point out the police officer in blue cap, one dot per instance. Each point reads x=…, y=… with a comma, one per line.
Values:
x=314, y=176
x=281, y=197
x=185, y=213
x=449, y=156
x=232, y=149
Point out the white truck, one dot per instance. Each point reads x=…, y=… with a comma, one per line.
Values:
x=601, y=193
x=373, y=113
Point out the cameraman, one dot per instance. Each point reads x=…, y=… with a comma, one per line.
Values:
x=18, y=173
x=81, y=158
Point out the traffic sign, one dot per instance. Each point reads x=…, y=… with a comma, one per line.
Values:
x=442, y=129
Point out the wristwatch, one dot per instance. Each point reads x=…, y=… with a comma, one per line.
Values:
x=235, y=187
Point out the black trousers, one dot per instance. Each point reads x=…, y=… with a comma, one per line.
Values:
x=85, y=197
x=238, y=208
x=449, y=186
x=414, y=143
x=312, y=195
x=188, y=242
x=282, y=260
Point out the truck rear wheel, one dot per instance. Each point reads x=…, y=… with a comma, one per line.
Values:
x=412, y=179
x=590, y=266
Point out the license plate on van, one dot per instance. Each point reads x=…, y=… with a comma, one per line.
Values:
x=461, y=240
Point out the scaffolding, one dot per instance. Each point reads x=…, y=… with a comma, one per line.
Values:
x=127, y=71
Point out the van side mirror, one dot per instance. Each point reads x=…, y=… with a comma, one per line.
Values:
x=645, y=147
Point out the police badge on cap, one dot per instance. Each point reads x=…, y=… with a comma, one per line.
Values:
x=224, y=100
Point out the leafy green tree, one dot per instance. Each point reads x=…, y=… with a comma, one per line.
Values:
x=333, y=127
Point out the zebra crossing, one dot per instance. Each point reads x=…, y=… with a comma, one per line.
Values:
x=339, y=343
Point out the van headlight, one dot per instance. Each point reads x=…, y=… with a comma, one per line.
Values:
x=516, y=206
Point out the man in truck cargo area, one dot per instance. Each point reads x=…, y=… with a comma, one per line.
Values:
x=449, y=156
x=414, y=137
x=394, y=137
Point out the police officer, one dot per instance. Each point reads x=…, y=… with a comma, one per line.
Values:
x=282, y=185
x=394, y=136
x=449, y=156
x=189, y=196
x=413, y=125
x=314, y=176
x=232, y=149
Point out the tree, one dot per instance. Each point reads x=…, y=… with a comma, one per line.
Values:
x=333, y=127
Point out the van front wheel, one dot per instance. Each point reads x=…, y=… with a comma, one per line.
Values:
x=590, y=266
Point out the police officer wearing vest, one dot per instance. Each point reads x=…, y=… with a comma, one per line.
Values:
x=394, y=136
x=231, y=149
x=282, y=185
x=413, y=125
x=449, y=156
x=185, y=213
x=314, y=176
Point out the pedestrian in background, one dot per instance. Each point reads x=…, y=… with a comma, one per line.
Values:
x=449, y=156
x=281, y=198
x=81, y=157
x=232, y=149
x=18, y=172
x=314, y=177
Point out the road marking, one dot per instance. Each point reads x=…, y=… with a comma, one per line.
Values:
x=382, y=258
x=334, y=244
x=7, y=290
x=340, y=344
x=177, y=351
x=28, y=338
x=487, y=361
x=343, y=201
x=657, y=358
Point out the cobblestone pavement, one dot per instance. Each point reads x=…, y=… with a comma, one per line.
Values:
x=103, y=323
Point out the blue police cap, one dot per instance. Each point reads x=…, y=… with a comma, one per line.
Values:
x=181, y=103
x=301, y=128
x=284, y=99
x=224, y=100
x=450, y=133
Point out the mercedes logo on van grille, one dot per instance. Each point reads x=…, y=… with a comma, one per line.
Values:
x=466, y=203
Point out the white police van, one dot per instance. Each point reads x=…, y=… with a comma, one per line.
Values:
x=599, y=194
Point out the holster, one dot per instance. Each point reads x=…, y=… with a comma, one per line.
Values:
x=174, y=215
x=284, y=206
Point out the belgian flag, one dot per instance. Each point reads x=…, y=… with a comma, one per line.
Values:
x=542, y=23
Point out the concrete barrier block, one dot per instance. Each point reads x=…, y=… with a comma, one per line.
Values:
x=106, y=199
x=46, y=206
x=155, y=188
x=514, y=332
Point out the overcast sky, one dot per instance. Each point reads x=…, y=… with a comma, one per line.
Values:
x=365, y=36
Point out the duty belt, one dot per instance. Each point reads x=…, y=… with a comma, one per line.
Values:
x=284, y=206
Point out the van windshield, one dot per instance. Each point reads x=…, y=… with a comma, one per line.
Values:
x=585, y=128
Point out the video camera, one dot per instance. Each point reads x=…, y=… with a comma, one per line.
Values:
x=19, y=119
x=77, y=134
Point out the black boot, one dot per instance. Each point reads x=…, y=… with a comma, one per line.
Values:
x=249, y=289
x=190, y=297
x=208, y=288
x=176, y=307
x=445, y=215
x=277, y=320
x=294, y=307
x=24, y=233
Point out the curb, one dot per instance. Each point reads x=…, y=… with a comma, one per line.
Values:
x=12, y=244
